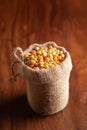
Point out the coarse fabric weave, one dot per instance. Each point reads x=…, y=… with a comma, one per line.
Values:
x=47, y=89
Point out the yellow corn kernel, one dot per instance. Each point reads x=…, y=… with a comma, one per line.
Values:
x=55, y=56
x=54, y=53
x=40, y=57
x=46, y=65
x=49, y=50
x=35, y=59
x=49, y=54
x=39, y=52
x=41, y=49
x=37, y=48
x=63, y=55
x=59, y=57
x=51, y=64
x=47, y=59
x=54, y=64
x=26, y=56
x=44, y=53
x=57, y=62
x=55, y=59
x=51, y=59
x=33, y=62
x=31, y=65
x=32, y=56
x=33, y=52
x=54, y=48
x=58, y=52
x=40, y=63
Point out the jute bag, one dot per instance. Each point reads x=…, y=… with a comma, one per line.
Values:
x=47, y=89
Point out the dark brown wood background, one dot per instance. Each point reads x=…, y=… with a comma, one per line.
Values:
x=23, y=22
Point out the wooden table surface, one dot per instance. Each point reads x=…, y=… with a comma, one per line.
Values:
x=23, y=22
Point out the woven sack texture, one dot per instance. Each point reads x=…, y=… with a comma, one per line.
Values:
x=47, y=89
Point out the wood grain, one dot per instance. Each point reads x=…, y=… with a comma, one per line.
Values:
x=23, y=22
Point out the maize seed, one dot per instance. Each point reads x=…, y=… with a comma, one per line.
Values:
x=26, y=56
x=37, y=48
x=54, y=53
x=47, y=59
x=44, y=54
x=46, y=65
x=39, y=52
x=33, y=52
x=33, y=62
x=63, y=56
x=60, y=58
x=40, y=57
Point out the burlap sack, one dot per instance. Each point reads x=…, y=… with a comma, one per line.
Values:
x=47, y=89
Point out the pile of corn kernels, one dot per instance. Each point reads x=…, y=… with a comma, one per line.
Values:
x=44, y=57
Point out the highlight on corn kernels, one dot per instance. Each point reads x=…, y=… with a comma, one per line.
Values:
x=44, y=57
